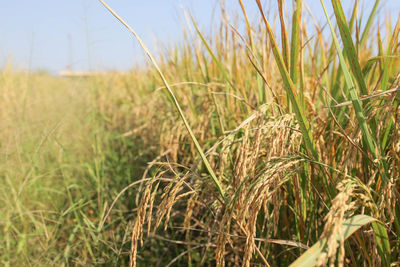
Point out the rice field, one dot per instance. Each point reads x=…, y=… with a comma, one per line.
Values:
x=272, y=144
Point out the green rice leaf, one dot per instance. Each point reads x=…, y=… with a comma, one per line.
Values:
x=349, y=48
x=351, y=225
x=369, y=22
x=382, y=241
x=371, y=143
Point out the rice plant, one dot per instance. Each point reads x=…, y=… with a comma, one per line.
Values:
x=272, y=144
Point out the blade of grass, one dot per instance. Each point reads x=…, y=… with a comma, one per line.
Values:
x=388, y=60
x=351, y=225
x=175, y=101
x=295, y=50
x=353, y=15
x=285, y=45
x=364, y=35
x=349, y=48
x=295, y=43
x=382, y=241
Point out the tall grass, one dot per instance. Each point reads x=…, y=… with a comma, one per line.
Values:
x=63, y=159
x=238, y=150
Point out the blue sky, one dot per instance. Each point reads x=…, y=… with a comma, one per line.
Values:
x=80, y=34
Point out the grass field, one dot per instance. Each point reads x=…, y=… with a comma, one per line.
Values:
x=278, y=144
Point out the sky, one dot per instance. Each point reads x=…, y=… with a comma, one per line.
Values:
x=81, y=35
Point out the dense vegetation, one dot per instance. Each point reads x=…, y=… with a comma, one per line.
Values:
x=237, y=149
